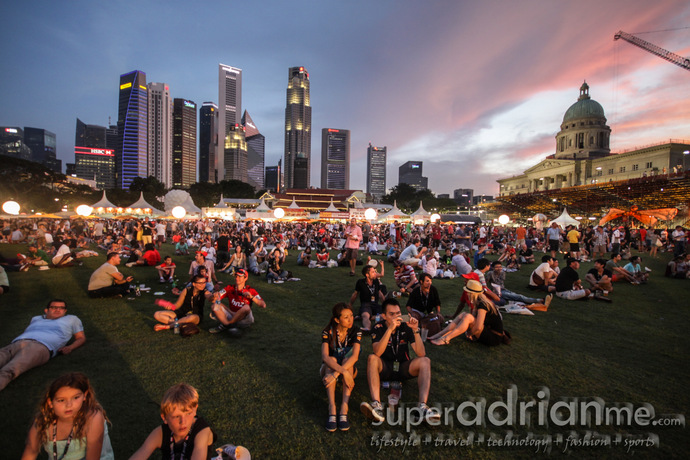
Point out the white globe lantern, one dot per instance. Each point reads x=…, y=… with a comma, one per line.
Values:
x=84, y=210
x=11, y=207
x=279, y=213
x=179, y=212
x=435, y=217
x=503, y=219
x=370, y=214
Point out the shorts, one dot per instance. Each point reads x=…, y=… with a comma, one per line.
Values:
x=372, y=308
x=599, y=248
x=245, y=322
x=388, y=374
x=553, y=245
x=160, y=238
x=146, y=239
x=350, y=254
x=573, y=294
x=574, y=247
x=411, y=261
x=490, y=338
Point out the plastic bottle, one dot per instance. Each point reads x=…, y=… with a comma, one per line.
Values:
x=176, y=327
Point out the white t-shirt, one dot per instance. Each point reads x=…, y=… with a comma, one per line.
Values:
x=540, y=271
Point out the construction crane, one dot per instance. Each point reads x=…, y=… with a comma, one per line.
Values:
x=652, y=48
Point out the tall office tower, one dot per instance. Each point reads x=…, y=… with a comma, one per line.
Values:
x=273, y=178
x=463, y=196
x=208, y=141
x=335, y=158
x=160, y=133
x=184, y=143
x=230, y=109
x=92, y=160
x=111, y=137
x=42, y=144
x=12, y=143
x=298, y=130
x=411, y=173
x=256, y=148
x=235, y=153
x=376, y=171
x=131, y=152
x=89, y=135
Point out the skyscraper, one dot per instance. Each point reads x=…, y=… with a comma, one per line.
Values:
x=184, y=143
x=208, y=141
x=376, y=171
x=335, y=158
x=89, y=135
x=160, y=133
x=298, y=130
x=411, y=173
x=12, y=143
x=131, y=152
x=273, y=178
x=256, y=146
x=235, y=153
x=42, y=144
x=230, y=108
x=92, y=160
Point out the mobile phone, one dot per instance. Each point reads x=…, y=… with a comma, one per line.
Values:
x=405, y=318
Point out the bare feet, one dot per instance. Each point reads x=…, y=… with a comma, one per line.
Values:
x=161, y=327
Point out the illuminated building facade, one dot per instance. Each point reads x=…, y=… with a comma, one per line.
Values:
x=335, y=159
x=42, y=144
x=208, y=141
x=411, y=173
x=298, y=130
x=184, y=143
x=131, y=152
x=235, y=152
x=256, y=147
x=376, y=171
x=230, y=108
x=12, y=143
x=160, y=133
x=97, y=164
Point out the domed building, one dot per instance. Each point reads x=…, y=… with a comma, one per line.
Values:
x=583, y=155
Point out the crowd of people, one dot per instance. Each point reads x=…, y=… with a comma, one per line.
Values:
x=419, y=255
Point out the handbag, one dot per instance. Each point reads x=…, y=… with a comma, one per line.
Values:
x=188, y=329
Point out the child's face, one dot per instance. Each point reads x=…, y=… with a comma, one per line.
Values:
x=180, y=420
x=67, y=402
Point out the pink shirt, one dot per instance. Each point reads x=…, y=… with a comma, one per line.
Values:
x=353, y=236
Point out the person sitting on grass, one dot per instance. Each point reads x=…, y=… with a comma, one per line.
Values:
x=183, y=435
x=151, y=257
x=64, y=257
x=237, y=260
x=568, y=283
x=405, y=277
x=495, y=280
x=323, y=256
x=340, y=346
x=390, y=361
x=36, y=257
x=370, y=295
x=189, y=307
x=166, y=270
x=424, y=303
x=107, y=281
x=241, y=297
x=619, y=273
x=304, y=257
x=635, y=268
x=483, y=324
x=677, y=268
x=543, y=278
x=181, y=247
x=275, y=271
x=599, y=278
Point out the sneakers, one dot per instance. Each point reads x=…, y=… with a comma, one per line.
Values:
x=161, y=280
x=547, y=300
x=218, y=329
x=431, y=416
x=130, y=264
x=343, y=423
x=331, y=424
x=373, y=411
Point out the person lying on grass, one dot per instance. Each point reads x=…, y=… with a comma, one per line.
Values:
x=340, y=346
x=189, y=307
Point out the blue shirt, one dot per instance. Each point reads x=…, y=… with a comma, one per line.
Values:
x=53, y=333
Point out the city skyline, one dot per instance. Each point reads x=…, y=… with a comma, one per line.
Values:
x=475, y=91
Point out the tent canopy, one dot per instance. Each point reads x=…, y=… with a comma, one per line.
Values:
x=564, y=220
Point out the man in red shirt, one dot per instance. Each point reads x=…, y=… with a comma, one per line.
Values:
x=241, y=297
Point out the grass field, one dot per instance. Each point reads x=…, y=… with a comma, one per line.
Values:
x=262, y=390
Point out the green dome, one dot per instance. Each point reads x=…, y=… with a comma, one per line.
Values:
x=585, y=107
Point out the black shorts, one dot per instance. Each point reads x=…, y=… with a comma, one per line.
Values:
x=372, y=308
x=388, y=375
x=5, y=289
x=553, y=245
x=574, y=247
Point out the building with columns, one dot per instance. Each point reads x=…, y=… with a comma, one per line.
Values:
x=583, y=155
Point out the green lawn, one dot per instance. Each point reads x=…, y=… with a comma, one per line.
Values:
x=262, y=390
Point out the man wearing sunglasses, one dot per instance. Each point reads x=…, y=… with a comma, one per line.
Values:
x=45, y=337
x=241, y=297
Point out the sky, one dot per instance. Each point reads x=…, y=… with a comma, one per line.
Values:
x=475, y=89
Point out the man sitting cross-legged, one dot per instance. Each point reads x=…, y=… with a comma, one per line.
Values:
x=241, y=297
x=391, y=360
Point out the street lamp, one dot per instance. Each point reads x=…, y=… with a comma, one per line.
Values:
x=11, y=207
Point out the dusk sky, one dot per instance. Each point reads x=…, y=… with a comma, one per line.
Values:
x=474, y=89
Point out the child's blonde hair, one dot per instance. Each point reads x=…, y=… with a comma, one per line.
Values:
x=181, y=395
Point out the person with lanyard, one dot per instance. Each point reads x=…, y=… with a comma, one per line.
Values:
x=340, y=346
x=183, y=435
x=189, y=307
x=424, y=304
x=370, y=295
x=241, y=297
x=391, y=361
x=70, y=423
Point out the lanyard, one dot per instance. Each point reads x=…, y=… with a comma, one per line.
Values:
x=69, y=440
x=184, y=444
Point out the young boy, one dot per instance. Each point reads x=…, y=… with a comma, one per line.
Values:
x=182, y=431
x=166, y=270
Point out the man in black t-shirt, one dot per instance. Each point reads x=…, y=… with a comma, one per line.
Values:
x=568, y=284
x=424, y=300
x=599, y=278
x=369, y=291
x=391, y=360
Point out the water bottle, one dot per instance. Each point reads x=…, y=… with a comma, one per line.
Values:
x=176, y=327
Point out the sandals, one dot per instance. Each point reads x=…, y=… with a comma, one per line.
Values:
x=440, y=341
